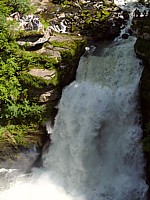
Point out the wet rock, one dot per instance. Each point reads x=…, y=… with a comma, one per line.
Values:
x=130, y=31
x=14, y=155
x=145, y=36
x=125, y=15
x=125, y=36
x=112, y=33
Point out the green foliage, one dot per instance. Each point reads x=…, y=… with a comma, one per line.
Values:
x=69, y=48
x=28, y=80
x=24, y=112
x=66, y=55
x=25, y=34
x=44, y=61
x=56, y=43
x=15, y=82
x=10, y=86
x=17, y=134
x=44, y=22
x=5, y=10
x=27, y=60
x=22, y=6
x=17, y=106
x=55, y=80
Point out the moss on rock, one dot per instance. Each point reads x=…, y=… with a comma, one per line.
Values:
x=16, y=141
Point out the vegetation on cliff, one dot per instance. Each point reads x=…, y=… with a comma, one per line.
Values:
x=27, y=99
x=15, y=108
x=22, y=111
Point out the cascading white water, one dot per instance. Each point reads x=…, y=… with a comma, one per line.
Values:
x=95, y=152
x=97, y=131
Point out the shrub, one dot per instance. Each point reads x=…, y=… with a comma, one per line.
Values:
x=24, y=112
x=22, y=6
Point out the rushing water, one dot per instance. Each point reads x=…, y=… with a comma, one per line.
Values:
x=96, y=152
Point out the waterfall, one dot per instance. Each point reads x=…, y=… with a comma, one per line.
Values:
x=96, y=152
x=97, y=130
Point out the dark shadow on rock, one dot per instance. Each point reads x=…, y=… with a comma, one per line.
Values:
x=39, y=162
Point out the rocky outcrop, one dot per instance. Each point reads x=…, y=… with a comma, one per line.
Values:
x=21, y=156
x=142, y=49
x=94, y=19
x=44, y=87
x=145, y=111
x=31, y=40
x=141, y=28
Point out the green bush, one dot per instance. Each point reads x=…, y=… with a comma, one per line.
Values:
x=22, y=6
x=23, y=113
x=14, y=64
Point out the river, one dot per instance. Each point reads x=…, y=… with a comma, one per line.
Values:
x=96, y=152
